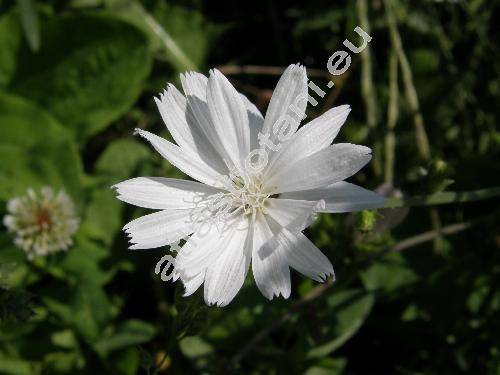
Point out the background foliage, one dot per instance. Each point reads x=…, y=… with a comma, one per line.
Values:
x=76, y=76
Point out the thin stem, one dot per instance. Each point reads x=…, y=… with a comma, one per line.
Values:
x=367, y=86
x=392, y=117
x=412, y=99
x=167, y=41
x=444, y=198
x=429, y=236
x=407, y=77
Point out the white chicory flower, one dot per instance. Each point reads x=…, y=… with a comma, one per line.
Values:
x=258, y=187
x=43, y=222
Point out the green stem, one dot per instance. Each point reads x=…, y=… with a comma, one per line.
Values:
x=444, y=198
x=168, y=42
x=367, y=86
x=407, y=77
x=392, y=117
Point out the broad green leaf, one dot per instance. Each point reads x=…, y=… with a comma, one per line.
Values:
x=103, y=215
x=199, y=351
x=195, y=347
x=83, y=306
x=13, y=267
x=64, y=339
x=232, y=322
x=83, y=262
x=388, y=274
x=158, y=33
x=10, y=41
x=89, y=71
x=327, y=366
x=63, y=362
x=119, y=161
x=35, y=150
x=132, y=332
x=15, y=366
x=121, y=158
x=346, y=312
x=189, y=29
x=180, y=35
x=16, y=173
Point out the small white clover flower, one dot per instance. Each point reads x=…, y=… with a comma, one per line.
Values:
x=261, y=180
x=43, y=222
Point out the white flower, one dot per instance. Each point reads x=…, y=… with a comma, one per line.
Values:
x=244, y=210
x=43, y=222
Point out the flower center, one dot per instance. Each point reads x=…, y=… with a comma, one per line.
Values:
x=43, y=220
x=244, y=195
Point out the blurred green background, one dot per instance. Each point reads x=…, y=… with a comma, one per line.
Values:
x=417, y=288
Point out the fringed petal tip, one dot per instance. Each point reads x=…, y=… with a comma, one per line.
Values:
x=326, y=276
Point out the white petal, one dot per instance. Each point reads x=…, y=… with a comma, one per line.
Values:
x=330, y=165
x=255, y=121
x=186, y=161
x=192, y=284
x=202, y=248
x=195, y=88
x=172, y=106
x=302, y=255
x=185, y=129
x=163, y=193
x=269, y=267
x=229, y=116
x=160, y=228
x=341, y=197
x=311, y=138
x=225, y=277
x=290, y=91
x=291, y=213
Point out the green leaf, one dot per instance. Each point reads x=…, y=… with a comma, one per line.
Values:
x=118, y=162
x=121, y=158
x=10, y=41
x=83, y=307
x=13, y=267
x=15, y=366
x=64, y=339
x=103, y=215
x=189, y=29
x=130, y=333
x=63, y=362
x=89, y=71
x=35, y=150
x=388, y=274
x=29, y=20
x=195, y=347
x=83, y=262
x=166, y=37
x=125, y=362
x=327, y=366
x=347, y=310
